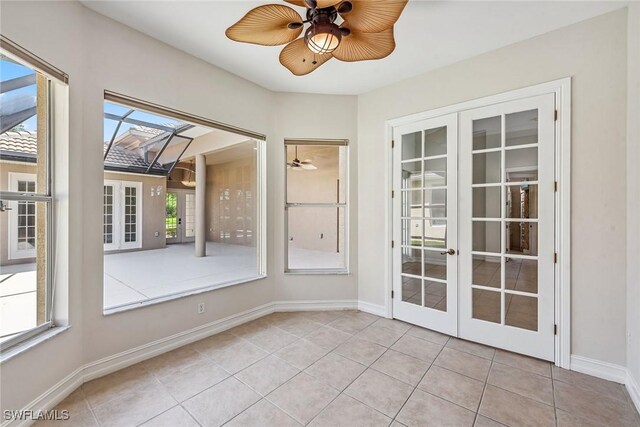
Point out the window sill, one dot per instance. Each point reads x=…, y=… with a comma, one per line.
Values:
x=317, y=272
x=122, y=308
x=18, y=349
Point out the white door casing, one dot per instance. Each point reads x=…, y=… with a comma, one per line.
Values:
x=22, y=215
x=127, y=214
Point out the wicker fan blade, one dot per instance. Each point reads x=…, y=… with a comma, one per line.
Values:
x=359, y=46
x=267, y=26
x=298, y=59
x=320, y=3
x=373, y=16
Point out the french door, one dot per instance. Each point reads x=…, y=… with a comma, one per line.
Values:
x=492, y=260
x=180, y=216
x=425, y=197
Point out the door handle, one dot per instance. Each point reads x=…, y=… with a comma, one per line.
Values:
x=450, y=252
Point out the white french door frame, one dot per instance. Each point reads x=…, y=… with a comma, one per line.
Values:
x=562, y=269
x=119, y=243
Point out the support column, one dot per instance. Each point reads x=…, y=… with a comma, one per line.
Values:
x=201, y=194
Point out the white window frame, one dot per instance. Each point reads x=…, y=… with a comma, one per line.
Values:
x=14, y=251
x=318, y=142
x=118, y=243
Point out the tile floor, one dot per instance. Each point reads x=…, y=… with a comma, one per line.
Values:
x=345, y=368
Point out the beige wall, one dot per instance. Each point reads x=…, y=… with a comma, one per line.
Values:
x=594, y=54
x=153, y=208
x=235, y=178
x=633, y=194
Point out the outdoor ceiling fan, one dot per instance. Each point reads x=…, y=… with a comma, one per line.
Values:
x=297, y=165
x=365, y=33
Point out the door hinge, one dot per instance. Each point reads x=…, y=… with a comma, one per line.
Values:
x=555, y=329
x=555, y=186
x=393, y=244
x=555, y=258
x=391, y=294
x=393, y=143
x=555, y=115
x=393, y=194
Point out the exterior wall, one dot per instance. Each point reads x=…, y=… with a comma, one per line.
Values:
x=594, y=54
x=5, y=169
x=153, y=208
x=236, y=182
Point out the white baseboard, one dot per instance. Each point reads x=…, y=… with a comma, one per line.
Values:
x=597, y=368
x=367, y=307
x=50, y=398
x=634, y=390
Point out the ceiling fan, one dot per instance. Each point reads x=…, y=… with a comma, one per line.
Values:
x=365, y=33
x=297, y=165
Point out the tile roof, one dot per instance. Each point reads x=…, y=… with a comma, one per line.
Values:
x=23, y=142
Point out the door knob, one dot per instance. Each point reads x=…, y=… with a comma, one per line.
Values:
x=450, y=252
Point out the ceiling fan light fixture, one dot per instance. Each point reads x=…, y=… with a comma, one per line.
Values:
x=323, y=38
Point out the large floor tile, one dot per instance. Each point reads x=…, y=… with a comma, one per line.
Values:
x=396, y=325
x=454, y=387
x=301, y=353
x=345, y=411
x=239, y=356
x=272, y=339
x=482, y=421
x=401, y=366
x=515, y=410
x=324, y=317
x=418, y=348
x=464, y=363
x=361, y=351
x=267, y=374
x=78, y=419
x=594, y=406
x=380, y=335
x=522, y=382
x=525, y=363
x=220, y=403
x=174, y=417
x=380, y=391
x=587, y=382
x=303, y=397
x=327, y=337
x=565, y=419
x=300, y=326
x=428, y=335
x=336, y=370
x=424, y=409
x=173, y=360
x=131, y=409
x=250, y=329
x=190, y=380
x=109, y=387
x=213, y=345
x=471, y=348
x=263, y=414
x=350, y=324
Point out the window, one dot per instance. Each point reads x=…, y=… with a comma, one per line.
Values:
x=316, y=206
x=29, y=88
x=163, y=237
x=122, y=222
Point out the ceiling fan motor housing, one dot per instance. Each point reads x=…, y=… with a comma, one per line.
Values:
x=323, y=36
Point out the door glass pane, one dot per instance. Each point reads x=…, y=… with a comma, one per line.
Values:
x=486, y=271
x=130, y=214
x=190, y=215
x=171, y=215
x=487, y=167
x=435, y=295
x=521, y=128
x=412, y=175
x=412, y=146
x=486, y=236
x=521, y=275
x=411, y=292
x=435, y=265
x=435, y=233
x=412, y=232
x=411, y=261
x=486, y=305
x=522, y=312
x=435, y=172
x=522, y=201
x=435, y=203
x=486, y=202
x=522, y=238
x=435, y=142
x=412, y=204
x=487, y=133
x=521, y=164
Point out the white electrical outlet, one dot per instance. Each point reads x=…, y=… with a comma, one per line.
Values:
x=201, y=308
